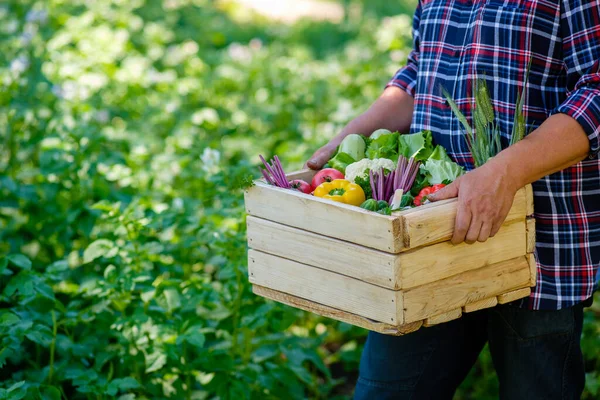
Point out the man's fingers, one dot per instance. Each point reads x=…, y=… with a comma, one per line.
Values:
x=448, y=192
x=320, y=158
x=461, y=227
x=474, y=231
x=485, y=232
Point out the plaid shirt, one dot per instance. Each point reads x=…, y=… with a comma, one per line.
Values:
x=457, y=40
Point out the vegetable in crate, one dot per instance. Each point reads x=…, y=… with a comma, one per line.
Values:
x=384, y=146
x=301, y=186
x=439, y=168
x=342, y=191
x=376, y=206
x=273, y=173
x=358, y=172
x=422, y=196
x=349, y=151
x=326, y=175
x=379, y=132
x=417, y=145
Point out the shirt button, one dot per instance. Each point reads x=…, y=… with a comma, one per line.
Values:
x=456, y=53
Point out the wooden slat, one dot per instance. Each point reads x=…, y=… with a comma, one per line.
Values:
x=324, y=217
x=530, y=235
x=481, y=305
x=330, y=312
x=445, y=317
x=468, y=287
x=435, y=223
x=529, y=200
x=305, y=175
x=532, y=269
x=514, y=295
x=325, y=287
x=363, y=263
x=439, y=261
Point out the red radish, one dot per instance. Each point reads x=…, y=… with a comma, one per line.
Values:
x=301, y=186
x=326, y=175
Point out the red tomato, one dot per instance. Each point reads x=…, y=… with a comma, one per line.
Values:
x=425, y=192
x=326, y=175
x=301, y=186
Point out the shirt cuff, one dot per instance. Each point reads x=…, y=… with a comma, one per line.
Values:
x=583, y=105
x=405, y=79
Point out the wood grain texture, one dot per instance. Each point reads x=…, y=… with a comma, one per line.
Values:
x=469, y=287
x=439, y=261
x=324, y=217
x=480, y=305
x=325, y=287
x=434, y=222
x=514, y=295
x=368, y=265
x=445, y=317
x=304, y=174
x=334, y=313
x=532, y=269
x=530, y=235
x=529, y=200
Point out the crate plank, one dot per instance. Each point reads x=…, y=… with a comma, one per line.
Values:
x=514, y=295
x=439, y=261
x=441, y=318
x=532, y=269
x=434, y=223
x=363, y=263
x=529, y=200
x=324, y=217
x=468, y=287
x=530, y=235
x=304, y=174
x=325, y=287
x=334, y=313
x=480, y=305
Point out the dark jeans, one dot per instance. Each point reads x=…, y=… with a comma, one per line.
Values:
x=536, y=354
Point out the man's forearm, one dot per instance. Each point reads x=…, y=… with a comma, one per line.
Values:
x=558, y=143
x=392, y=111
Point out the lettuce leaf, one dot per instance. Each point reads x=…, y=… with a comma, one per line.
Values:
x=439, y=153
x=438, y=171
x=385, y=146
x=418, y=145
x=341, y=161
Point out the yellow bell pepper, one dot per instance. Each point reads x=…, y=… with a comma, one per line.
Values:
x=342, y=191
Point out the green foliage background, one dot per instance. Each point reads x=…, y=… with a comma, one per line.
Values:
x=127, y=129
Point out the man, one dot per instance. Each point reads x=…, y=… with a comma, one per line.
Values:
x=535, y=344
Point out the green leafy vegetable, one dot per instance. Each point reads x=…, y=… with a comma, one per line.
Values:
x=385, y=146
x=439, y=153
x=365, y=183
x=418, y=145
x=438, y=171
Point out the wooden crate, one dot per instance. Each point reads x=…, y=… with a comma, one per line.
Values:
x=390, y=274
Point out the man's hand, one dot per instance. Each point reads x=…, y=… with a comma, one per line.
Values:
x=321, y=156
x=485, y=196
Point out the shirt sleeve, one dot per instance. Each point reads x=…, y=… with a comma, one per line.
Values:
x=580, y=25
x=406, y=77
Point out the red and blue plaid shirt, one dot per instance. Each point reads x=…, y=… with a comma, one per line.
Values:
x=458, y=40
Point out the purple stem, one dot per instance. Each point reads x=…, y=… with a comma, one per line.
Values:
x=267, y=177
x=389, y=183
x=372, y=181
x=282, y=172
x=381, y=184
x=270, y=170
